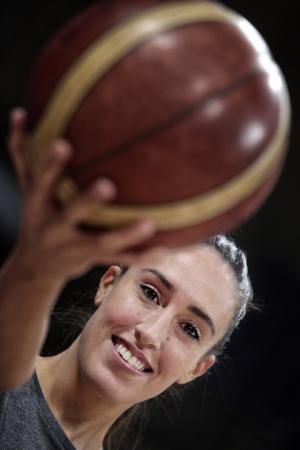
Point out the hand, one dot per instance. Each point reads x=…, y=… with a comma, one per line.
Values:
x=50, y=240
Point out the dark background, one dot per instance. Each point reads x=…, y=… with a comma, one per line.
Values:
x=251, y=400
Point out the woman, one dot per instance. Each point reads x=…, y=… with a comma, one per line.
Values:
x=159, y=322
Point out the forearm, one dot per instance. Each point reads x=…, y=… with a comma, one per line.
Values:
x=51, y=249
x=26, y=302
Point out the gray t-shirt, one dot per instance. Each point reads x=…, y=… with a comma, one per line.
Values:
x=27, y=423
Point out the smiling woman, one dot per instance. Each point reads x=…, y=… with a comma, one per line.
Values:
x=158, y=323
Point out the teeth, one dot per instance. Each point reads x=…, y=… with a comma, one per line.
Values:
x=129, y=357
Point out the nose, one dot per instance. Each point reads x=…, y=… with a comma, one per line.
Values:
x=153, y=332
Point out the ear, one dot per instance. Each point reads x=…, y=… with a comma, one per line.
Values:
x=106, y=283
x=201, y=367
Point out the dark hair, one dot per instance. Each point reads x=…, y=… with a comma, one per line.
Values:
x=236, y=258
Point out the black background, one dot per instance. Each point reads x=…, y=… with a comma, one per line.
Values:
x=251, y=400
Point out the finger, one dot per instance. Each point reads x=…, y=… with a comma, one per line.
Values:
x=116, y=242
x=126, y=259
x=101, y=192
x=132, y=257
x=48, y=171
x=109, y=246
x=17, y=144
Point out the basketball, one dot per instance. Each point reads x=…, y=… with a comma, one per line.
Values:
x=180, y=103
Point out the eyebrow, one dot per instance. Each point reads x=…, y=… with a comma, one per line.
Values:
x=162, y=278
x=192, y=308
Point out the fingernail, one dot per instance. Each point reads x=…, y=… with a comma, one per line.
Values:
x=62, y=148
x=17, y=114
x=105, y=187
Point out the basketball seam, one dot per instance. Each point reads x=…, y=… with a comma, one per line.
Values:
x=171, y=122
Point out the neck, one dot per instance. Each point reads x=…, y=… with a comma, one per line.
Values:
x=84, y=415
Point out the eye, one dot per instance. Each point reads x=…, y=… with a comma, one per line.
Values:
x=191, y=330
x=150, y=293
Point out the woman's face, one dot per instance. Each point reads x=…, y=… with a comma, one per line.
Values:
x=155, y=323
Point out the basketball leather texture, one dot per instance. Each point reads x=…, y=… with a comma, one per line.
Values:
x=179, y=103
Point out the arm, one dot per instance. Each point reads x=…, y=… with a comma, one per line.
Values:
x=50, y=250
x=25, y=304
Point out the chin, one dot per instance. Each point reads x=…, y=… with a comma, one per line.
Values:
x=105, y=373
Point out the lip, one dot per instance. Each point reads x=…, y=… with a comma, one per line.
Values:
x=135, y=352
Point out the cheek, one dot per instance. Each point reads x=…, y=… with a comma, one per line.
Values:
x=176, y=360
x=122, y=312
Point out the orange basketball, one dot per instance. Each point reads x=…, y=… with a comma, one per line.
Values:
x=180, y=103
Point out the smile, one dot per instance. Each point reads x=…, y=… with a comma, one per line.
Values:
x=130, y=355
